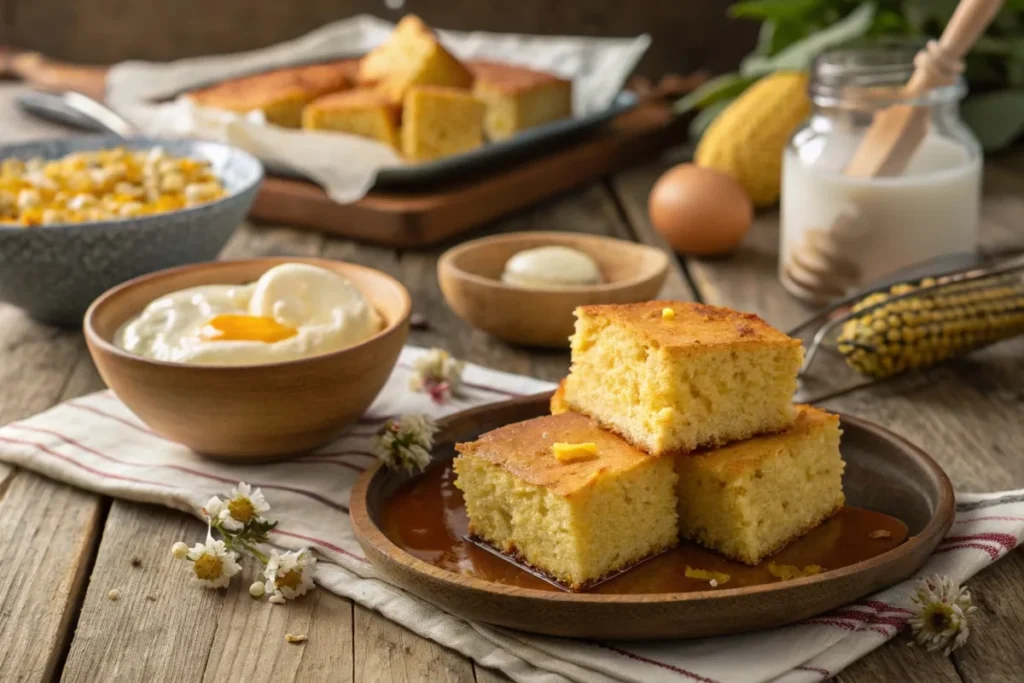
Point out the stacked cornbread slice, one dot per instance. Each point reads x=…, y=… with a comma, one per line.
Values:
x=699, y=398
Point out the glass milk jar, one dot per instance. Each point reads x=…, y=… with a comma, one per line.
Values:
x=841, y=232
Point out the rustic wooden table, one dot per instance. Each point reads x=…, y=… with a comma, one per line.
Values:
x=64, y=549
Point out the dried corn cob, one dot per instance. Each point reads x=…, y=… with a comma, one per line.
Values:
x=942, y=321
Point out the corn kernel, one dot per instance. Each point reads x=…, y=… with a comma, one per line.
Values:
x=668, y=313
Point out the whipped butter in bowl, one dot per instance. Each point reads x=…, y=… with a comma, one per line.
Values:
x=551, y=266
x=293, y=311
x=250, y=360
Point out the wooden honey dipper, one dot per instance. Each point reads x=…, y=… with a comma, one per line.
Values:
x=812, y=270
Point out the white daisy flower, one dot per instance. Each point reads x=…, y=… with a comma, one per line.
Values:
x=438, y=374
x=213, y=507
x=405, y=443
x=941, y=614
x=289, y=575
x=244, y=505
x=213, y=563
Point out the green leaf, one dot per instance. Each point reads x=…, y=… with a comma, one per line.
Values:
x=997, y=118
x=772, y=9
x=704, y=118
x=799, y=55
x=726, y=86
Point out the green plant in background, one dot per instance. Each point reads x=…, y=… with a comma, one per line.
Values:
x=793, y=32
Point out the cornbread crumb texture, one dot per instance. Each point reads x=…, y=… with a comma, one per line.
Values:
x=518, y=98
x=749, y=499
x=439, y=122
x=361, y=111
x=576, y=521
x=280, y=94
x=702, y=376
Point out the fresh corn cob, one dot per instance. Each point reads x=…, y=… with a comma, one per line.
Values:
x=918, y=331
x=747, y=139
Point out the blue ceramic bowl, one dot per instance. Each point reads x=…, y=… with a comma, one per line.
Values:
x=54, y=272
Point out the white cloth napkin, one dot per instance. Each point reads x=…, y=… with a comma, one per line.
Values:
x=96, y=443
x=346, y=165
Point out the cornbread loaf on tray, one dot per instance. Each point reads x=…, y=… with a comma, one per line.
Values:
x=439, y=122
x=281, y=94
x=360, y=111
x=576, y=511
x=750, y=499
x=670, y=376
x=518, y=98
x=412, y=56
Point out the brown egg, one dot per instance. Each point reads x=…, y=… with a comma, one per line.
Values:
x=699, y=211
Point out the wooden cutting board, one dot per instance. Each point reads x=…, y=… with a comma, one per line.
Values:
x=407, y=220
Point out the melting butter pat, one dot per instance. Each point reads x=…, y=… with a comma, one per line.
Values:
x=571, y=452
x=668, y=313
x=703, y=575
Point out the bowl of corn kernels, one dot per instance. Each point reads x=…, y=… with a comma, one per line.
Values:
x=81, y=215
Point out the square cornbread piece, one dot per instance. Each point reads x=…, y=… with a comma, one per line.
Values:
x=518, y=98
x=281, y=94
x=750, y=499
x=361, y=111
x=671, y=376
x=603, y=508
x=438, y=122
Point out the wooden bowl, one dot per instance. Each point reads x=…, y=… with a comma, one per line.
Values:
x=470, y=278
x=254, y=412
x=883, y=473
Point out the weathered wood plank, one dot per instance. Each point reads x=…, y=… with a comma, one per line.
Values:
x=162, y=626
x=894, y=661
x=386, y=651
x=48, y=533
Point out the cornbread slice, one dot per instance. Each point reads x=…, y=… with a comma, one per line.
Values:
x=519, y=98
x=750, y=499
x=439, y=122
x=697, y=376
x=280, y=94
x=361, y=111
x=577, y=519
x=390, y=56
x=412, y=56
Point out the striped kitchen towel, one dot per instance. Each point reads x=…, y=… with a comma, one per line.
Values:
x=96, y=443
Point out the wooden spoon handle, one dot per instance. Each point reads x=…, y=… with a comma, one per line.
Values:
x=940, y=62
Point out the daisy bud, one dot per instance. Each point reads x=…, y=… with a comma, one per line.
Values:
x=179, y=550
x=257, y=590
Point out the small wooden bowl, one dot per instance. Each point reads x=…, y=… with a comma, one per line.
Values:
x=470, y=278
x=253, y=412
x=883, y=473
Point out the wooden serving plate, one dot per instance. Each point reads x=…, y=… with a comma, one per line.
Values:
x=883, y=473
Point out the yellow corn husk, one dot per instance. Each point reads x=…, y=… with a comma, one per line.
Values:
x=747, y=139
x=920, y=331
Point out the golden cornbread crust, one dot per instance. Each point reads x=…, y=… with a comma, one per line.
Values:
x=290, y=88
x=693, y=324
x=524, y=449
x=360, y=111
x=510, y=79
x=558, y=404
